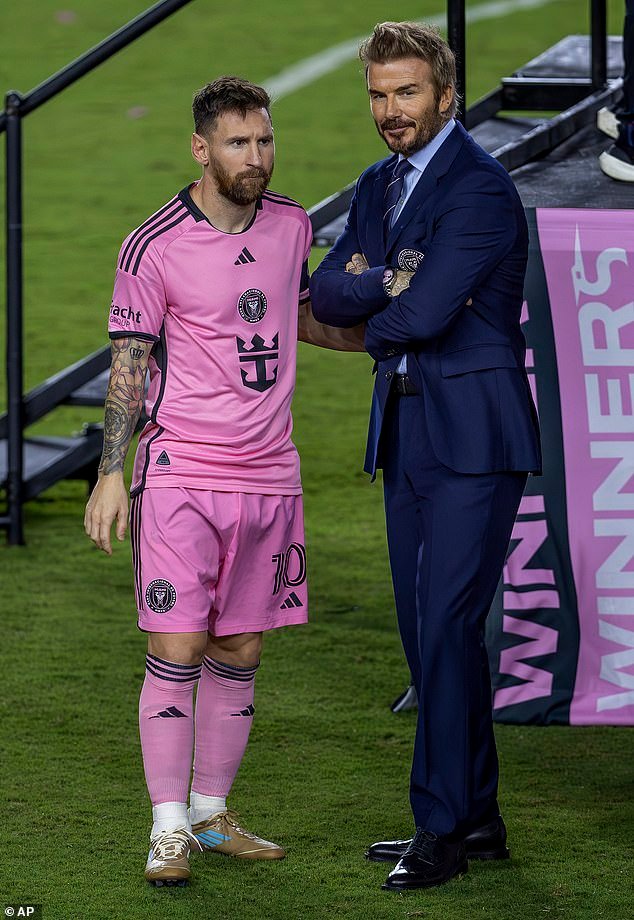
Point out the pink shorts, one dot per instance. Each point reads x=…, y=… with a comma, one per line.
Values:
x=226, y=562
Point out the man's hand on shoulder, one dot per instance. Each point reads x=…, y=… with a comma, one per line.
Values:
x=108, y=502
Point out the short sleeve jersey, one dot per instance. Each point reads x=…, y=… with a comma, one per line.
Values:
x=221, y=312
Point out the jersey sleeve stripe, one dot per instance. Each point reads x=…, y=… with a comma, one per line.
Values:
x=135, y=233
x=143, y=235
x=144, y=336
x=148, y=239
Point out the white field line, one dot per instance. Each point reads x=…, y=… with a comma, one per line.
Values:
x=318, y=65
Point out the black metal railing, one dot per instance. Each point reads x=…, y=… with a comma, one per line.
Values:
x=598, y=44
x=15, y=351
x=456, y=36
x=16, y=108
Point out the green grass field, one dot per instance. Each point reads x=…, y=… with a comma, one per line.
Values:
x=326, y=770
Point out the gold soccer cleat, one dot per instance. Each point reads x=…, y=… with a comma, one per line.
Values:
x=168, y=859
x=221, y=834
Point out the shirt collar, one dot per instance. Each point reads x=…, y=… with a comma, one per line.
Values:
x=422, y=157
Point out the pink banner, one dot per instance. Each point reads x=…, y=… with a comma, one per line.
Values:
x=588, y=258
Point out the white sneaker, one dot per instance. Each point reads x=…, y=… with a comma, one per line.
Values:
x=608, y=122
x=618, y=163
x=168, y=859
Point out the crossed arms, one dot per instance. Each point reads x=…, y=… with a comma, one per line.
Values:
x=474, y=228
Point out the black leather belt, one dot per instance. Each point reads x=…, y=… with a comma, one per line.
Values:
x=404, y=386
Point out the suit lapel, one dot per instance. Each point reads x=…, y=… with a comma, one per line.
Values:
x=375, y=223
x=374, y=227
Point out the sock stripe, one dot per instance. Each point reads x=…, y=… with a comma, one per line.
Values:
x=172, y=664
x=232, y=667
x=176, y=672
x=175, y=680
x=228, y=671
x=171, y=671
x=227, y=674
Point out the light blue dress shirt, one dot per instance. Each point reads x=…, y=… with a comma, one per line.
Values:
x=420, y=160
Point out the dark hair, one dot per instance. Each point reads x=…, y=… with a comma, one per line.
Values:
x=227, y=94
x=393, y=40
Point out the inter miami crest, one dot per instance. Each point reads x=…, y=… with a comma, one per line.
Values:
x=252, y=305
x=410, y=259
x=160, y=595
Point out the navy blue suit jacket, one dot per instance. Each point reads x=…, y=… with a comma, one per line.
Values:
x=464, y=225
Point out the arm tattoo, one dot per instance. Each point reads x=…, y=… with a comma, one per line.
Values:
x=124, y=400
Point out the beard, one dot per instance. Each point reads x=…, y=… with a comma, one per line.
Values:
x=243, y=188
x=425, y=130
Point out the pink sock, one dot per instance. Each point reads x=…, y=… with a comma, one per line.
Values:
x=166, y=727
x=224, y=713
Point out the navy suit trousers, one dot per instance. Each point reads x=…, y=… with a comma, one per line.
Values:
x=448, y=534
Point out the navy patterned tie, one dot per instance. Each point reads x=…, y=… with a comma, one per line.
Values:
x=393, y=192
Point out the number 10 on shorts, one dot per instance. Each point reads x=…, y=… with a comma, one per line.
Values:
x=290, y=567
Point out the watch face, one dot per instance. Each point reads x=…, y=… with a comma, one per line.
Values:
x=388, y=274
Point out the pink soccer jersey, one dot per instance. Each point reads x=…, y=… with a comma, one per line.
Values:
x=221, y=309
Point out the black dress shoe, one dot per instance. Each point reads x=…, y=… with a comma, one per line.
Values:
x=387, y=850
x=486, y=842
x=428, y=861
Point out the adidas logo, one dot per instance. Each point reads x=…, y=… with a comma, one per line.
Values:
x=211, y=838
x=249, y=711
x=163, y=459
x=244, y=258
x=170, y=713
x=291, y=601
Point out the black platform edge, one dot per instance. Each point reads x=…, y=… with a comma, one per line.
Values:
x=49, y=459
x=45, y=397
